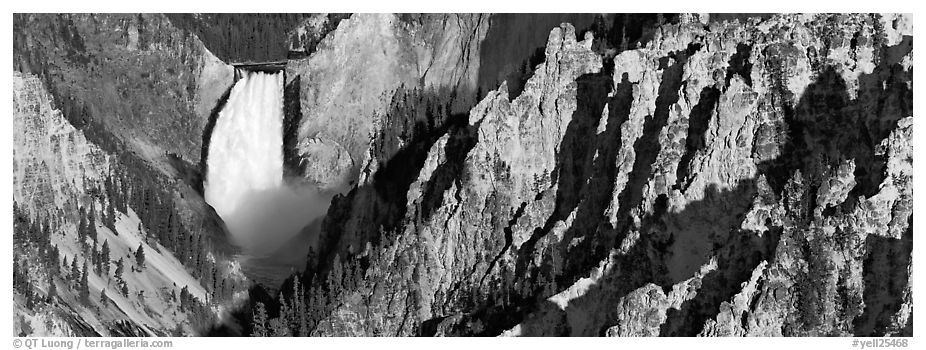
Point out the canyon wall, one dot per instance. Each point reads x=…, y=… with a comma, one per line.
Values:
x=725, y=178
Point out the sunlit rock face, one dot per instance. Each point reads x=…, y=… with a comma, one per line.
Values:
x=245, y=182
x=710, y=182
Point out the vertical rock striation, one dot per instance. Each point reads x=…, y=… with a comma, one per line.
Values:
x=734, y=178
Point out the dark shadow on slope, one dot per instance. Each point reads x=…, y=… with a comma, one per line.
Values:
x=697, y=127
x=823, y=132
x=515, y=42
x=619, y=32
x=590, y=237
x=593, y=195
x=574, y=164
x=886, y=86
x=187, y=171
x=885, y=274
x=647, y=147
x=742, y=252
x=292, y=118
x=415, y=121
x=242, y=37
x=207, y=137
x=740, y=65
x=126, y=328
x=509, y=51
x=574, y=161
x=463, y=138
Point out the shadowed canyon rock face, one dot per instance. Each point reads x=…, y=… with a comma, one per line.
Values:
x=526, y=175
x=744, y=178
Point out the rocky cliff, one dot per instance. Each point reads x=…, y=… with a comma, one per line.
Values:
x=372, y=64
x=726, y=178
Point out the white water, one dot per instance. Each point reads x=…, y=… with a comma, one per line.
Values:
x=266, y=215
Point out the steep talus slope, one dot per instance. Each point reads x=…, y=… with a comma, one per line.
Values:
x=60, y=179
x=48, y=144
x=112, y=111
x=724, y=179
x=139, y=88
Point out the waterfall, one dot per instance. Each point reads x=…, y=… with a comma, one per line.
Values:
x=266, y=215
x=246, y=152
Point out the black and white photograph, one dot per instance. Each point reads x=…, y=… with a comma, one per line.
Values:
x=462, y=174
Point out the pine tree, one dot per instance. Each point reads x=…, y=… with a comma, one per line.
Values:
x=353, y=274
x=278, y=328
x=108, y=186
x=91, y=223
x=18, y=277
x=185, y=298
x=84, y=287
x=335, y=276
x=25, y=272
x=65, y=265
x=260, y=321
x=124, y=201
x=82, y=226
x=52, y=288
x=120, y=268
x=104, y=259
x=298, y=320
x=285, y=312
x=19, y=234
x=95, y=258
x=104, y=300
x=317, y=304
x=75, y=270
x=125, y=289
x=140, y=256
x=52, y=263
x=111, y=214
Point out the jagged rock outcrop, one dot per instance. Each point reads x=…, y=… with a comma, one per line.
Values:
x=351, y=83
x=734, y=178
x=350, y=80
